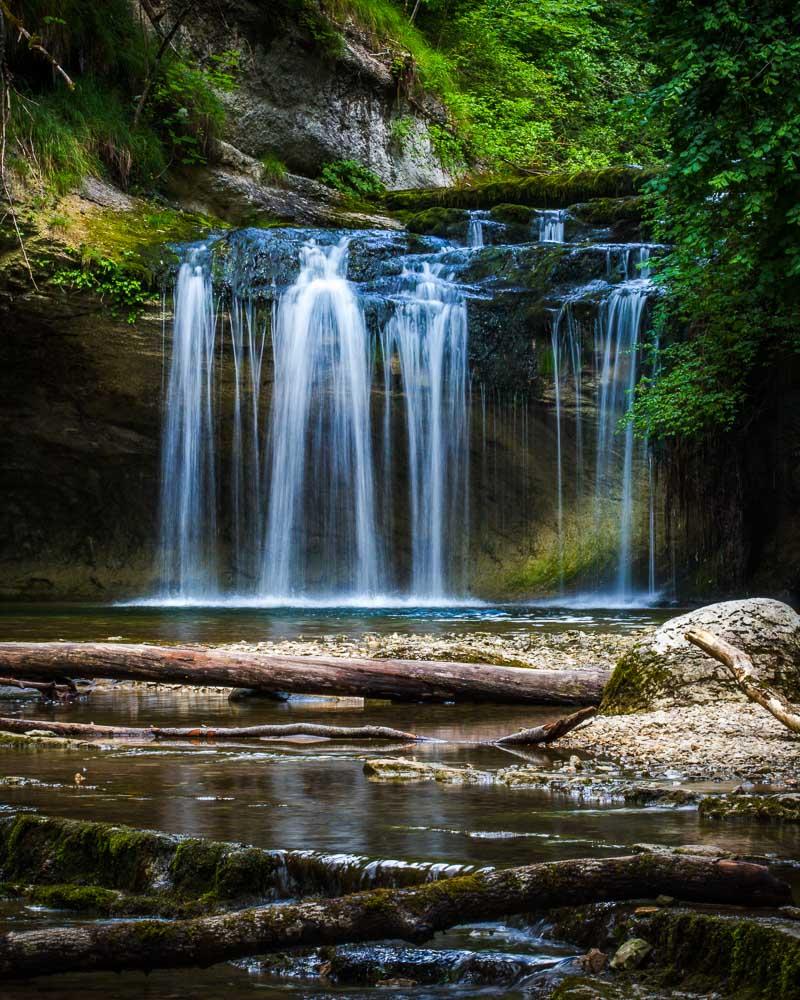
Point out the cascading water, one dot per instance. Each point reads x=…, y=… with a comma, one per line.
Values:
x=613, y=367
x=321, y=434
x=551, y=226
x=188, y=476
x=475, y=229
x=317, y=430
x=311, y=501
x=428, y=334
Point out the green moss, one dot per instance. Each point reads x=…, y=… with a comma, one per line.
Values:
x=609, y=211
x=554, y=190
x=747, y=957
x=512, y=215
x=441, y=222
x=639, y=677
x=758, y=808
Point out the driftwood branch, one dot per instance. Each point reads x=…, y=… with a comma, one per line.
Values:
x=34, y=44
x=408, y=914
x=549, y=732
x=396, y=680
x=744, y=672
x=89, y=731
x=49, y=690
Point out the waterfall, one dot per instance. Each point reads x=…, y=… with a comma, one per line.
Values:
x=428, y=333
x=321, y=434
x=613, y=367
x=188, y=507
x=316, y=433
x=616, y=348
x=551, y=226
x=312, y=484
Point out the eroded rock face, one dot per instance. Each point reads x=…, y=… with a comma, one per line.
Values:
x=665, y=669
x=310, y=102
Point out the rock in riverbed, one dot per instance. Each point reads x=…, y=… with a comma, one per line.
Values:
x=664, y=669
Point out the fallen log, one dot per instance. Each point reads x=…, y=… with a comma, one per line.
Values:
x=89, y=731
x=408, y=914
x=64, y=690
x=396, y=680
x=744, y=672
x=547, y=733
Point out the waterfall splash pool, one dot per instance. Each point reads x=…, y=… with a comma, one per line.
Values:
x=160, y=621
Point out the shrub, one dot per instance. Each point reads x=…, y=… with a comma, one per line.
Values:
x=352, y=179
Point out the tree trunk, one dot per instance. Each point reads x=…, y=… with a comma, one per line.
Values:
x=397, y=680
x=408, y=914
x=87, y=731
x=744, y=672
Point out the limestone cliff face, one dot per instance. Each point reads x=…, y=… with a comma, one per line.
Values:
x=308, y=105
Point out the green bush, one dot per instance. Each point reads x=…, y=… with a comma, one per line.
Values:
x=352, y=179
x=186, y=106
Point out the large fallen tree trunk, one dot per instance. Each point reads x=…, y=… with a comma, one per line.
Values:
x=399, y=680
x=89, y=731
x=744, y=672
x=409, y=914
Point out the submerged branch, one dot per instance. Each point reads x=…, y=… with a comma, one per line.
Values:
x=549, y=732
x=81, y=730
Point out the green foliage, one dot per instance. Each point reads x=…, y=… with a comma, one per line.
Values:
x=729, y=94
x=273, y=169
x=102, y=276
x=352, y=179
x=64, y=135
x=186, y=107
x=541, y=83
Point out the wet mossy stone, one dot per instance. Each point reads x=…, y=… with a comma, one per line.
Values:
x=609, y=211
x=443, y=222
x=556, y=190
x=784, y=808
x=664, y=669
x=512, y=215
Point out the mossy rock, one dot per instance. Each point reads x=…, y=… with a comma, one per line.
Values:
x=555, y=190
x=512, y=215
x=751, y=808
x=443, y=222
x=609, y=211
x=664, y=669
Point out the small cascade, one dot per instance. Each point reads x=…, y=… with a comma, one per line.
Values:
x=475, y=229
x=551, y=226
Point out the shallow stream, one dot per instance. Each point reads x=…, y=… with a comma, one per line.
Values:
x=312, y=794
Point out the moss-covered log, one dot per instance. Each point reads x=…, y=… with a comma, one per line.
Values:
x=398, y=680
x=406, y=914
x=557, y=190
x=165, y=872
x=89, y=731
